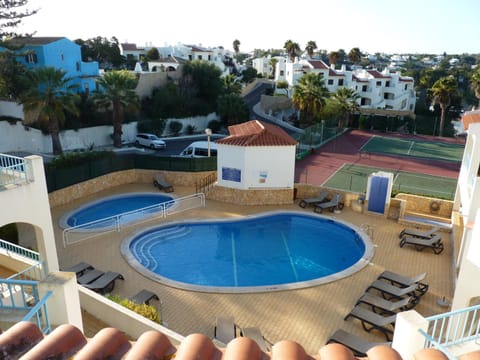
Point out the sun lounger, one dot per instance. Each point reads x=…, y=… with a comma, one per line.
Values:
x=373, y=321
x=104, y=283
x=162, y=184
x=434, y=243
x=382, y=306
x=314, y=200
x=331, y=205
x=143, y=297
x=403, y=281
x=389, y=291
x=225, y=329
x=420, y=234
x=89, y=276
x=79, y=268
x=358, y=345
x=255, y=334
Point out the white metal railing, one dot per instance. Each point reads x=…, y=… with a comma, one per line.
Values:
x=13, y=170
x=19, y=250
x=34, y=272
x=452, y=329
x=95, y=228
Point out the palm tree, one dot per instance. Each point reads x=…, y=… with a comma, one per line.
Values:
x=442, y=91
x=230, y=85
x=334, y=57
x=355, y=55
x=475, y=82
x=309, y=96
x=273, y=63
x=346, y=100
x=117, y=91
x=292, y=48
x=50, y=94
x=310, y=48
x=236, y=46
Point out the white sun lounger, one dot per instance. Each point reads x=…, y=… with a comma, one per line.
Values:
x=427, y=234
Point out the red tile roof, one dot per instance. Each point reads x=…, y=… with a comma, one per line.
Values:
x=257, y=133
x=129, y=47
x=318, y=64
x=377, y=74
x=470, y=117
x=35, y=40
x=332, y=72
x=24, y=340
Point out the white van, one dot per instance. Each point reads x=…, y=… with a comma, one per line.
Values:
x=199, y=149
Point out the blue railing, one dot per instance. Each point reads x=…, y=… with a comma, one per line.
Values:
x=453, y=328
x=40, y=313
x=18, y=294
x=13, y=170
x=19, y=250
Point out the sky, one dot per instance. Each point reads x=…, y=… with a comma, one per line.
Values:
x=384, y=26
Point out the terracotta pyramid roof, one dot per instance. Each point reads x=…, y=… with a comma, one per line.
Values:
x=257, y=133
x=470, y=117
x=25, y=341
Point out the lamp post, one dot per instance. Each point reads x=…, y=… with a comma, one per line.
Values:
x=209, y=133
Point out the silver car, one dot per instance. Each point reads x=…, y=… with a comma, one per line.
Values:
x=150, y=140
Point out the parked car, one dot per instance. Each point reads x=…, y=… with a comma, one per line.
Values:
x=150, y=140
x=200, y=149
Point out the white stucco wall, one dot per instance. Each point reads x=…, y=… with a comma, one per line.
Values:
x=259, y=166
x=10, y=108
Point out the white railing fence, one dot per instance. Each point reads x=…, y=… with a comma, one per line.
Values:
x=116, y=223
x=13, y=170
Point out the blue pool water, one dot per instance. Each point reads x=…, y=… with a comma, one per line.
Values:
x=113, y=206
x=272, y=251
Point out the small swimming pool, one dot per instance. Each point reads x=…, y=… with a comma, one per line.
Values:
x=270, y=251
x=98, y=212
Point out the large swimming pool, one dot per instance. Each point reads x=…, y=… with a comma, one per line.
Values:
x=97, y=214
x=270, y=251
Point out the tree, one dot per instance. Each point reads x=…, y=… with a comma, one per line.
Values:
x=106, y=52
x=309, y=96
x=292, y=48
x=236, y=46
x=334, y=57
x=249, y=74
x=230, y=85
x=475, y=82
x=355, y=55
x=310, y=48
x=13, y=76
x=273, y=63
x=232, y=109
x=345, y=100
x=117, y=92
x=11, y=15
x=442, y=92
x=153, y=54
x=51, y=95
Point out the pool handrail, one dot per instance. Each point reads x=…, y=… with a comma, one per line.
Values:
x=164, y=207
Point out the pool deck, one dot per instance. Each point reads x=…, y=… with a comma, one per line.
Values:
x=308, y=316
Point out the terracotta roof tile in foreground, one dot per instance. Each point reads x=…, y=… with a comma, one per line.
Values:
x=257, y=133
x=25, y=341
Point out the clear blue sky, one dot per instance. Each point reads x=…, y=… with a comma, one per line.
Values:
x=406, y=26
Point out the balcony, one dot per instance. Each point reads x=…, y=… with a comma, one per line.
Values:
x=13, y=171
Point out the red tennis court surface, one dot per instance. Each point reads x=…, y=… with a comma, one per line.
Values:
x=316, y=168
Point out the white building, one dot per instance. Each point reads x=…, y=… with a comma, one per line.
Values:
x=378, y=90
x=263, y=65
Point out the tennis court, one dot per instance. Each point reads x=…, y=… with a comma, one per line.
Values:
x=354, y=178
x=434, y=150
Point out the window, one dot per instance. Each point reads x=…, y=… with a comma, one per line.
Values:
x=379, y=83
x=365, y=88
x=190, y=57
x=406, y=87
x=78, y=65
x=340, y=82
x=200, y=57
x=330, y=81
x=62, y=56
x=282, y=73
x=387, y=84
x=209, y=57
x=31, y=58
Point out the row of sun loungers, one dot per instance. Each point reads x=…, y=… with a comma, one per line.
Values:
x=398, y=293
x=321, y=203
x=94, y=279
x=226, y=330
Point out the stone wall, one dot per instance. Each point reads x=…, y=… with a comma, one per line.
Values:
x=132, y=176
x=304, y=191
x=251, y=197
x=424, y=206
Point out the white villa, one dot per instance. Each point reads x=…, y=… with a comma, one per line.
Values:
x=378, y=90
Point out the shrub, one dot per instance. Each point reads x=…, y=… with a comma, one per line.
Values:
x=147, y=311
x=153, y=126
x=175, y=127
x=190, y=130
x=74, y=159
x=214, y=125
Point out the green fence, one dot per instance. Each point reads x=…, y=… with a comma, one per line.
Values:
x=61, y=177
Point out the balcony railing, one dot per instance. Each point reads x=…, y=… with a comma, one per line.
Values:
x=13, y=170
x=19, y=250
x=449, y=331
